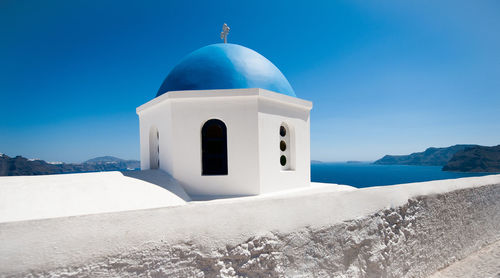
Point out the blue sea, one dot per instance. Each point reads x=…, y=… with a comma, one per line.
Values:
x=368, y=174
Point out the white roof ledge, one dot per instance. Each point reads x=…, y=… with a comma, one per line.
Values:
x=227, y=93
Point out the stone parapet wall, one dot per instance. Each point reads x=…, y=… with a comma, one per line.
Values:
x=406, y=238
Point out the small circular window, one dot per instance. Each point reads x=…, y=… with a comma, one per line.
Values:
x=282, y=145
x=283, y=160
x=282, y=131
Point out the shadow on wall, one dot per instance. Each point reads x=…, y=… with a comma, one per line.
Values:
x=161, y=179
x=216, y=197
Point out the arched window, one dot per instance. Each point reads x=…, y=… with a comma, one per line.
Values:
x=285, y=147
x=154, y=148
x=214, y=148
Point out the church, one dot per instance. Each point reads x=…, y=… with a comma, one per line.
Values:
x=226, y=122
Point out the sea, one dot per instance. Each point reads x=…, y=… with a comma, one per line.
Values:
x=367, y=174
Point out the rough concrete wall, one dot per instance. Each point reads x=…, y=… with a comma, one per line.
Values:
x=480, y=264
x=413, y=240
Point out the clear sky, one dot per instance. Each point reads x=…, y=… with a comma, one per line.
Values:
x=388, y=78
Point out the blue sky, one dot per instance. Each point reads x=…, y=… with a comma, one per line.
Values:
x=385, y=78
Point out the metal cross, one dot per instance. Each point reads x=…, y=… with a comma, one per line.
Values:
x=225, y=31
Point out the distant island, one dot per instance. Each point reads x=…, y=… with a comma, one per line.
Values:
x=429, y=157
x=348, y=162
x=21, y=166
x=459, y=158
x=476, y=159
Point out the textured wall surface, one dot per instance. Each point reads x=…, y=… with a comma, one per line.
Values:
x=411, y=239
x=480, y=264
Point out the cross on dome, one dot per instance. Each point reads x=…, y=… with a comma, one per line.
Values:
x=224, y=33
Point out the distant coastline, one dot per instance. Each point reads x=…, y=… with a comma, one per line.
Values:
x=21, y=166
x=457, y=158
x=348, y=161
x=479, y=159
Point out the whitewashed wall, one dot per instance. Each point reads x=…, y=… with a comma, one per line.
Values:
x=239, y=114
x=160, y=117
x=271, y=115
x=408, y=230
x=252, y=118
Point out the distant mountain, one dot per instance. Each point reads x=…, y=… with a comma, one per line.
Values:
x=21, y=166
x=430, y=157
x=101, y=159
x=475, y=159
x=107, y=160
x=316, y=162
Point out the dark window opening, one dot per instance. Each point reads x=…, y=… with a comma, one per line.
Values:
x=282, y=131
x=214, y=148
x=283, y=160
x=282, y=146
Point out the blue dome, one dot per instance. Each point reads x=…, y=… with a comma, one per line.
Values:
x=225, y=66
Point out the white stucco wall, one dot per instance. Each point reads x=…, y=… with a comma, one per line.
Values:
x=408, y=230
x=159, y=116
x=239, y=114
x=50, y=196
x=271, y=115
x=252, y=118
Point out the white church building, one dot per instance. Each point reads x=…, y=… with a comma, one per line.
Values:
x=226, y=122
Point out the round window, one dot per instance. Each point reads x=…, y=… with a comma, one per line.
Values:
x=282, y=131
x=282, y=145
x=283, y=160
